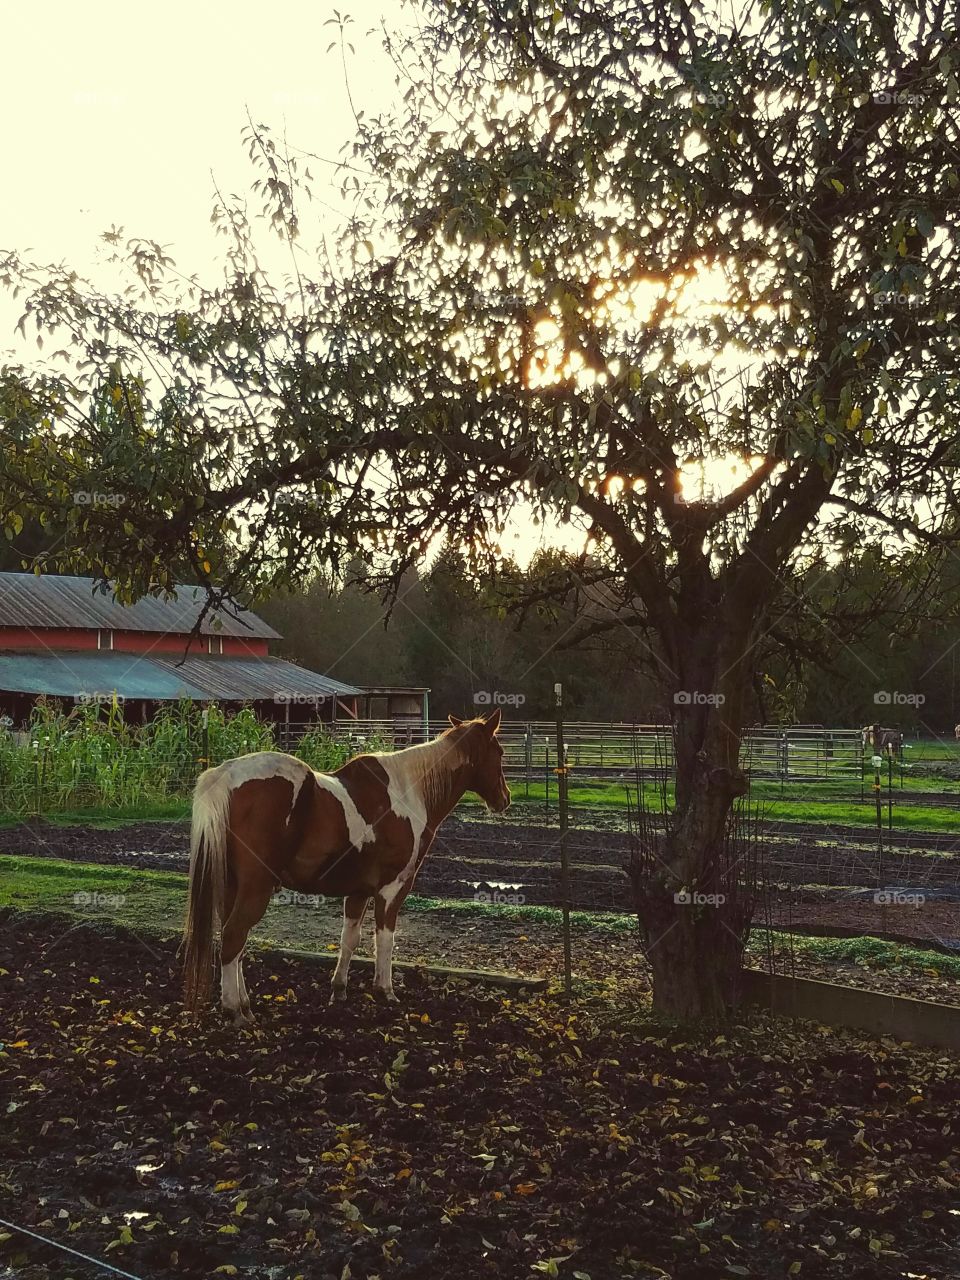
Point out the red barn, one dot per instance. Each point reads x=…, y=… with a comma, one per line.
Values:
x=61, y=638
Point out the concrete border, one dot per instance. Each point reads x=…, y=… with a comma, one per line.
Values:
x=915, y=1021
x=484, y=977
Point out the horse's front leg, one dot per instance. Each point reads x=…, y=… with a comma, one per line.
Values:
x=354, y=906
x=387, y=906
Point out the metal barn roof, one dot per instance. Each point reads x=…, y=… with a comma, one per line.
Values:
x=160, y=679
x=269, y=679
x=68, y=675
x=60, y=600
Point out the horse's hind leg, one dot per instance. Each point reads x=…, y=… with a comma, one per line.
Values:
x=386, y=909
x=249, y=903
x=353, y=908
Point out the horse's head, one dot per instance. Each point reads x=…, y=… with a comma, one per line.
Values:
x=485, y=754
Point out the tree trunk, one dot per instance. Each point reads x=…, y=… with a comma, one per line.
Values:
x=692, y=917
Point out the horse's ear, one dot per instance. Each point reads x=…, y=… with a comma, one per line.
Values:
x=455, y=722
x=493, y=722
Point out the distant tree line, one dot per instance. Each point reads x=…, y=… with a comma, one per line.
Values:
x=461, y=637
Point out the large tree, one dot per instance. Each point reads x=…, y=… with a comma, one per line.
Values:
x=526, y=328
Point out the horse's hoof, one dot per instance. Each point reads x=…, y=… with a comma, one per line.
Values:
x=337, y=993
x=389, y=997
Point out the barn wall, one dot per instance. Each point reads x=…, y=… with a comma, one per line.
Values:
x=77, y=639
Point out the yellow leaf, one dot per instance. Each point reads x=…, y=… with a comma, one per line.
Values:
x=813, y=68
x=19, y=1044
x=228, y=1269
x=838, y=186
x=229, y=1230
x=239, y=1207
x=902, y=248
x=525, y=1188
x=856, y=413
x=830, y=438
x=206, y=566
x=866, y=435
x=229, y=1184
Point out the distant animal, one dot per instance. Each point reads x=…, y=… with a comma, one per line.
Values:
x=882, y=740
x=956, y=732
x=267, y=819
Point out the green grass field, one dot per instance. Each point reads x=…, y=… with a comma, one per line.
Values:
x=825, y=804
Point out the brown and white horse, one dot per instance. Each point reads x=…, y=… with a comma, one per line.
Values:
x=267, y=819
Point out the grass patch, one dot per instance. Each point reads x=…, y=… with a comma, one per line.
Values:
x=612, y=921
x=154, y=901
x=106, y=819
x=874, y=953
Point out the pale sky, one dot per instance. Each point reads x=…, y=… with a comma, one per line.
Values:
x=114, y=113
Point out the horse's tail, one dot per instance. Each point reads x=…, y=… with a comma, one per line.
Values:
x=208, y=876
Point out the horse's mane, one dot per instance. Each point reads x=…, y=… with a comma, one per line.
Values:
x=430, y=765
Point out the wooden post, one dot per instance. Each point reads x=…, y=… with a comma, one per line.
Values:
x=564, y=855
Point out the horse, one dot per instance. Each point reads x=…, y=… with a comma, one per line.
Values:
x=267, y=819
x=880, y=739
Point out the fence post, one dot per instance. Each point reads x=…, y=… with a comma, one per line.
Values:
x=205, y=738
x=564, y=852
x=889, y=786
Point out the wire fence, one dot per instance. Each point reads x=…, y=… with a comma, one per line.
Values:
x=599, y=750
x=869, y=875
x=90, y=759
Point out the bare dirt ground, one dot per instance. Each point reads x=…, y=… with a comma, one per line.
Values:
x=463, y=1134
